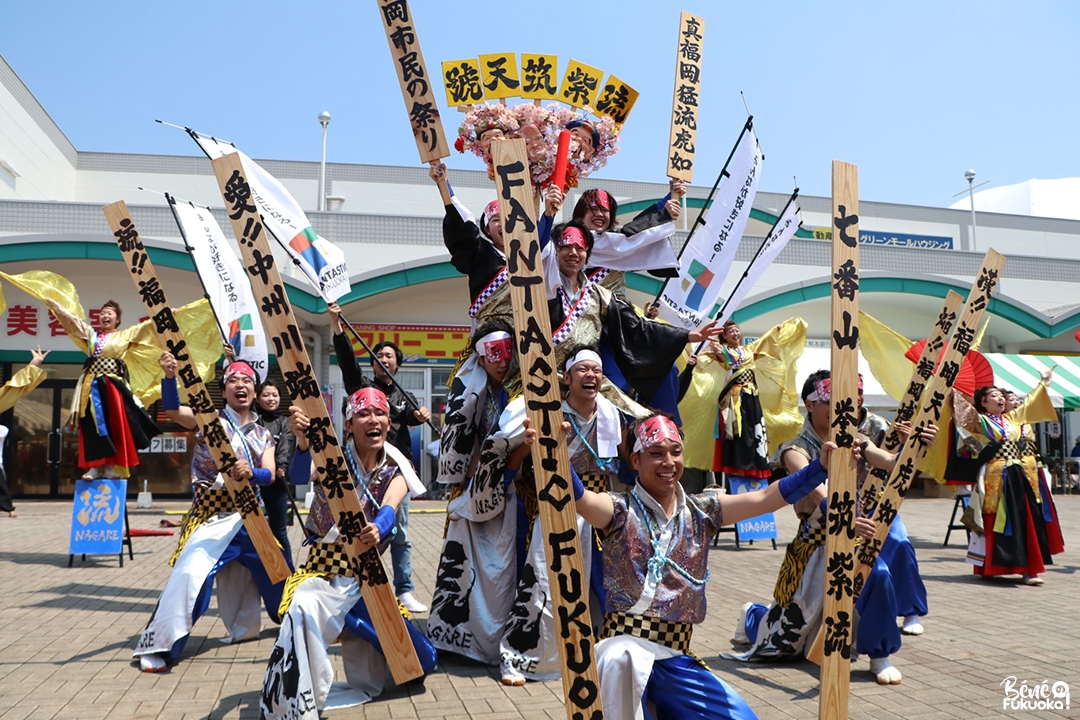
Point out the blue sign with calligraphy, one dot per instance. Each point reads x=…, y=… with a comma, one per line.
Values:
x=97, y=519
x=762, y=527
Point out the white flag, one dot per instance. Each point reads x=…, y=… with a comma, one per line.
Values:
x=322, y=262
x=687, y=300
x=226, y=283
x=785, y=228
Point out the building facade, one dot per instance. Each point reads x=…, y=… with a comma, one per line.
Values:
x=388, y=223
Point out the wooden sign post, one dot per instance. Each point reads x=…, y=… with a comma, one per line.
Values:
x=168, y=334
x=929, y=411
x=300, y=383
x=874, y=485
x=684, y=106
x=838, y=617
x=551, y=462
x=416, y=85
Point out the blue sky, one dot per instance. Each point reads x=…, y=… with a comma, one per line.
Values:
x=914, y=93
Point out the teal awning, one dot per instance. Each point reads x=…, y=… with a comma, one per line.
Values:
x=1022, y=372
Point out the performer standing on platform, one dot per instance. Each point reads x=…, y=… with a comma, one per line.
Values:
x=213, y=543
x=402, y=417
x=656, y=558
x=1019, y=521
x=322, y=599
x=782, y=630
x=113, y=425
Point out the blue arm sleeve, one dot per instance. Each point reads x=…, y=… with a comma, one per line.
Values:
x=508, y=477
x=170, y=394
x=300, y=467
x=261, y=476
x=384, y=521
x=798, y=485
x=663, y=201
x=543, y=228
x=579, y=487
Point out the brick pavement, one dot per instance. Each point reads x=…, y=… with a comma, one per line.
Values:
x=67, y=634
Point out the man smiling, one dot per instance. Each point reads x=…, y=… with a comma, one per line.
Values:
x=656, y=555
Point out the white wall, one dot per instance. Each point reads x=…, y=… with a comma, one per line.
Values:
x=43, y=171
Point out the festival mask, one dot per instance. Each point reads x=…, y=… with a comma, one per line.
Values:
x=491, y=211
x=367, y=398
x=495, y=347
x=654, y=431
x=572, y=236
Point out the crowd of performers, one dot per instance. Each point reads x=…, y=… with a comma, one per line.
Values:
x=629, y=383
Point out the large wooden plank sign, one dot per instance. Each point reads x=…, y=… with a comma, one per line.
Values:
x=169, y=337
x=838, y=617
x=300, y=383
x=416, y=83
x=551, y=462
x=684, y=106
x=929, y=411
x=874, y=485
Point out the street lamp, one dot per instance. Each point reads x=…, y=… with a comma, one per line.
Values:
x=970, y=177
x=324, y=120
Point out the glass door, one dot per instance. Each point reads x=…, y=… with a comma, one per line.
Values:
x=41, y=454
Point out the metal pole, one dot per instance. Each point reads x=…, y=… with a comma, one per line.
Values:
x=324, y=120
x=970, y=176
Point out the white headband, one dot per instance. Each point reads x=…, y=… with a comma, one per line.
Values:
x=481, y=345
x=583, y=355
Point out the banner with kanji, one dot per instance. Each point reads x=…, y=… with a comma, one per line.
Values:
x=225, y=283
x=688, y=300
x=322, y=262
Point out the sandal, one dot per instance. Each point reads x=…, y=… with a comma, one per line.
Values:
x=1033, y=581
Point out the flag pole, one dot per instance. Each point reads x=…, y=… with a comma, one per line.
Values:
x=747, y=126
x=187, y=246
x=746, y=272
x=346, y=323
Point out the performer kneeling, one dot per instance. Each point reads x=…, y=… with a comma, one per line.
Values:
x=213, y=535
x=656, y=558
x=322, y=599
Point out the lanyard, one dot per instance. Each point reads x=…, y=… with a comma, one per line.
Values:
x=660, y=557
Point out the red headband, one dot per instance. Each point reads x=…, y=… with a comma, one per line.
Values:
x=495, y=347
x=242, y=368
x=654, y=431
x=491, y=211
x=368, y=397
x=573, y=236
x=603, y=200
x=823, y=390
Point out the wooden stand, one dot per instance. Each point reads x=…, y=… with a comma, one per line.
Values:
x=838, y=615
x=551, y=462
x=300, y=383
x=169, y=337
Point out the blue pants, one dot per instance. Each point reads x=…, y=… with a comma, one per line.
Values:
x=908, y=587
x=358, y=622
x=241, y=550
x=680, y=688
x=276, y=498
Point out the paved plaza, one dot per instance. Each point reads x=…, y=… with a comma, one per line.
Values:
x=67, y=634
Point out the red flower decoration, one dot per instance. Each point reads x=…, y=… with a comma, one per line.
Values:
x=459, y=144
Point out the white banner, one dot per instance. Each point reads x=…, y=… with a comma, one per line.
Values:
x=686, y=301
x=322, y=262
x=785, y=228
x=226, y=284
